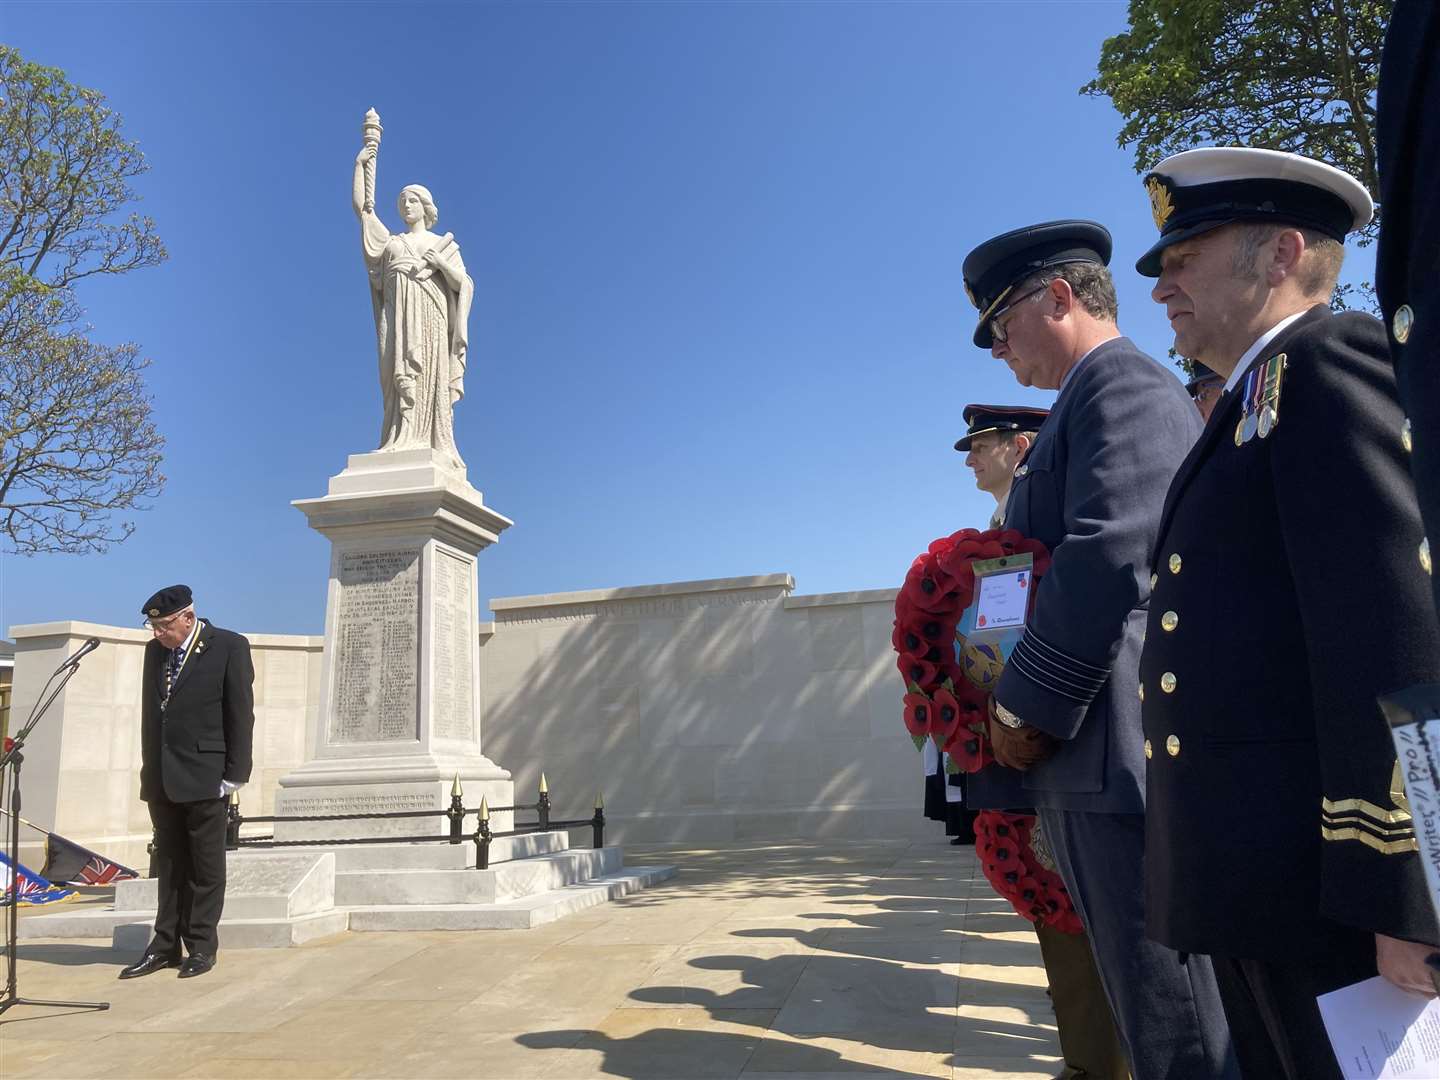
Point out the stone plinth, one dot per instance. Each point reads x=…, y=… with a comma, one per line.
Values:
x=399, y=712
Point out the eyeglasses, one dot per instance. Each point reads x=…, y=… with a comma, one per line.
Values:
x=1206, y=393
x=997, y=331
x=165, y=623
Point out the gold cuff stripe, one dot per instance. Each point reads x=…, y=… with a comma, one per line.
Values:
x=1384, y=847
x=1344, y=806
x=1338, y=820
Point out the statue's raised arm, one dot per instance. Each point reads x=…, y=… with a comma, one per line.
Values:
x=421, y=298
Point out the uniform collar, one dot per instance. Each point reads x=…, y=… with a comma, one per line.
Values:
x=1255, y=349
x=189, y=642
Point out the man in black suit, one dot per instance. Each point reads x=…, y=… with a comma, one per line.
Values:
x=197, y=716
x=1286, y=596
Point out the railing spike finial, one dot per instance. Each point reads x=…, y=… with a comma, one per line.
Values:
x=455, y=788
x=484, y=808
x=544, y=785
x=600, y=801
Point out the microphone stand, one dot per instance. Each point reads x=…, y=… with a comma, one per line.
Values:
x=12, y=759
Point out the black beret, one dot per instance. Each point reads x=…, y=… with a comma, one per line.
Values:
x=1199, y=190
x=982, y=419
x=994, y=268
x=167, y=601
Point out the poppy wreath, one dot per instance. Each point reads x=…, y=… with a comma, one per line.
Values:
x=943, y=701
x=948, y=702
x=1007, y=856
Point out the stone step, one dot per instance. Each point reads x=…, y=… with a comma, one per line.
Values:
x=247, y=933
x=259, y=885
x=431, y=856
x=518, y=914
x=510, y=880
x=130, y=930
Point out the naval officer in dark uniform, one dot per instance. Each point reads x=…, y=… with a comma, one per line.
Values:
x=1065, y=711
x=1408, y=137
x=1286, y=596
x=196, y=722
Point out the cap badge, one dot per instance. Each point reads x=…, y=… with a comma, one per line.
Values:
x=1161, y=206
x=971, y=294
x=154, y=611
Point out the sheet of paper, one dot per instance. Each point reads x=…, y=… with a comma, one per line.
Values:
x=1416, y=745
x=1003, y=600
x=1379, y=1032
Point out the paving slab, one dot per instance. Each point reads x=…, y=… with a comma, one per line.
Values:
x=867, y=960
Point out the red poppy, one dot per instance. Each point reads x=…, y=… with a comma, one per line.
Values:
x=946, y=717
x=917, y=671
x=917, y=714
x=905, y=639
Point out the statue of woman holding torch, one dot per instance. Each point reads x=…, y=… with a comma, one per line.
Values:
x=421, y=297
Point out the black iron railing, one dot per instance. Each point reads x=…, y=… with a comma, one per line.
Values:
x=456, y=813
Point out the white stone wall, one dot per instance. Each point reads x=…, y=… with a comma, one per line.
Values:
x=82, y=763
x=705, y=711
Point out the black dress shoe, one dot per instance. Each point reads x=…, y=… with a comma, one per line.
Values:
x=148, y=965
x=196, y=964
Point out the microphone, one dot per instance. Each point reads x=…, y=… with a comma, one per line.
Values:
x=90, y=646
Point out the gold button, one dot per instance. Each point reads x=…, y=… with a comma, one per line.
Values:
x=1169, y=621
x=1167, y=682
x=1175, y=563
x=1425, y=554
x=1142, y=691
x=1148, y=750
x=1407, y=438
x=1154, y=580
x=1401, y=324
x=1172, y=746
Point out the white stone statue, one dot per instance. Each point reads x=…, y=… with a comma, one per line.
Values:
x=421, y=297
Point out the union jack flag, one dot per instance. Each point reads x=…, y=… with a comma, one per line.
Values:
x=70, y=864
x=27, y=887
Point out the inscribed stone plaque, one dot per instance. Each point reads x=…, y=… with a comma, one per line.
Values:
x=375, y=693
x=455, y=630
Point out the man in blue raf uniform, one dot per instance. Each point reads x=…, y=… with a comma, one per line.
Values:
x=1065, y=711
x=1286, y=596
x=196, y=719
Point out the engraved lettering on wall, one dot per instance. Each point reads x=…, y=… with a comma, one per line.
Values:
x=453, y=605
x=375, y=694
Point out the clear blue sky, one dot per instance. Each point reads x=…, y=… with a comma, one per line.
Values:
x=719, y=326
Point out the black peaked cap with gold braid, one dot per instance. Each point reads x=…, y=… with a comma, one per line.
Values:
x=983, y=419
x=1199, y=190
x=996, y=267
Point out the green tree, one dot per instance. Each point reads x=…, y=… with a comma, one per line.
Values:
x=1296, y=75
x=77, y=438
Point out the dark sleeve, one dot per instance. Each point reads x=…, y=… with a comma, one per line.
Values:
x=1351, y=531
x=1129, y=429
x=149, y=724
x=238, y=710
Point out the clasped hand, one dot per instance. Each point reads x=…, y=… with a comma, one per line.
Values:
x=1019, y=748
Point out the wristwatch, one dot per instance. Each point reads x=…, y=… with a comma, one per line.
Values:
x=1006, y=717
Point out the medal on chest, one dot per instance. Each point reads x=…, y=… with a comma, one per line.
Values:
x=1260, y=400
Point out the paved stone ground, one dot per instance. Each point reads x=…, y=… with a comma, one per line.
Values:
x=780, y=961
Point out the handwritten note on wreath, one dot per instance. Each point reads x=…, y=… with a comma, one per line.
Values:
x=1002, y=600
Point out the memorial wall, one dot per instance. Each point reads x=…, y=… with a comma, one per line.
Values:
x=705, y=711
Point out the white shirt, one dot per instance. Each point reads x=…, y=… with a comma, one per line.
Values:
x=1255, y=350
